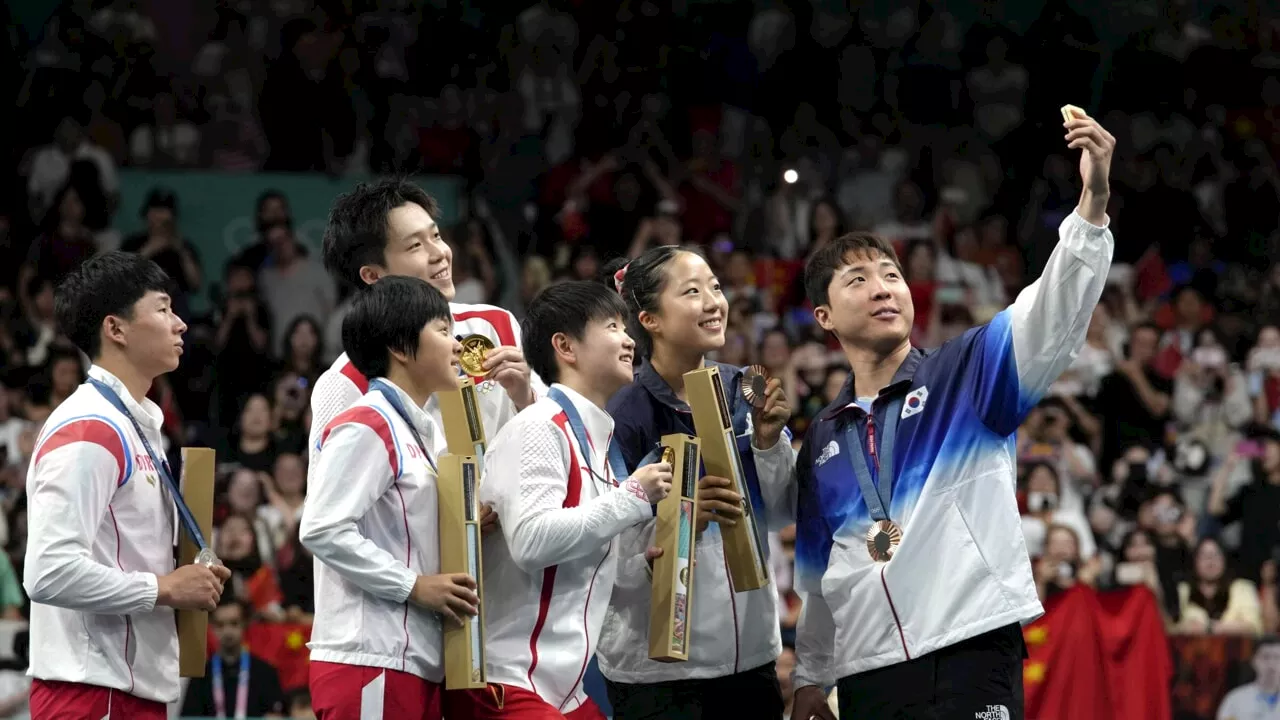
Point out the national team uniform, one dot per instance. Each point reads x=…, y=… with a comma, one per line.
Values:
x=936, y=626
x=101, y=529
x=735, y=634
x=371, y=521
x=342, y=385
x=547, y=589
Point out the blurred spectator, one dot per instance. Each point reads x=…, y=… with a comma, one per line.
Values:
x=1213, y=601
x=292, y=283
x=303, y=352
x=1045, y=510
x=250, y=444
x=51, y=166
x=1133, y=401
x=234, y=665
x=1256, y=505
x=241, y=340
x=167, y=140
x=1061, y=565
x=163, y=243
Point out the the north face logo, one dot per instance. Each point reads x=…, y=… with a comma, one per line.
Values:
x=993, y=712
x=830, y=451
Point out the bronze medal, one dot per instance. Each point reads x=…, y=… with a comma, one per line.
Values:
x=883, y=539
x=755, y=383
x=474, y=350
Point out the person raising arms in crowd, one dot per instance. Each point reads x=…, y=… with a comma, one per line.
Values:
x=677, y=314
x=909, y=546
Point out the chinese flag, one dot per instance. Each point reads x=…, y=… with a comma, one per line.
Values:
x=1137, y=651
x=284, y=645
x=1098, y=656
x=1065, y=675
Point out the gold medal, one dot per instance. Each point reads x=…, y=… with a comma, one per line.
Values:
x=883, y=539
x=669, y=456
x=474, y=350
x=755, y=381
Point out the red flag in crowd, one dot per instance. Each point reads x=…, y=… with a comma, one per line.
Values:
x=1095, y=656
x=284, y=645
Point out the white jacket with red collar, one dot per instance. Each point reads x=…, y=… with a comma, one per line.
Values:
x=371, y=522
x=100, y=529
x=549, y=575
x=342, y=384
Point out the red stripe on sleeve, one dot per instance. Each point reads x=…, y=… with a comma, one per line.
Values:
x=497, y=317
x=359, y=380
x=90, y=430
x=372, y=419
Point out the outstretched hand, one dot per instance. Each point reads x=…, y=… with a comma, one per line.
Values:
x=1098, y=145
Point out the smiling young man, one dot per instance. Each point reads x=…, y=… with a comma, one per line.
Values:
x=377, y=650
x=549, y=576
x=909, y=545
x=101, y=523
x=390, y=228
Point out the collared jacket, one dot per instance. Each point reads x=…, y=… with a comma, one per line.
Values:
x=730, y=631
x=339, y=387
x=962, y=567
x=101, y=529
x=371, y=522
x=549, y=574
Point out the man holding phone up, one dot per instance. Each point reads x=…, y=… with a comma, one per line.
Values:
x=1256, y=505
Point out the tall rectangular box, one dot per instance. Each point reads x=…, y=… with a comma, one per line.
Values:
x=196, y=485
x=458, y=479
x=671, y=604
x=743, y=548
x=463, y=421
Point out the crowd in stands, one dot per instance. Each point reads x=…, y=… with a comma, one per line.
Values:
x=756, y=131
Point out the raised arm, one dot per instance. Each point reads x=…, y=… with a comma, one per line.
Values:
x=543, y=517
x=74, y=475
x=1028, y=345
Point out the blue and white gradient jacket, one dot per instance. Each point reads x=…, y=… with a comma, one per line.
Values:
x=962, y=567
x=730, y=631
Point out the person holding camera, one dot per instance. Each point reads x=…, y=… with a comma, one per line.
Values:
x=1043, y=488
x=1256, y=505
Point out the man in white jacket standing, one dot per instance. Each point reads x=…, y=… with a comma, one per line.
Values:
x=556, y=478
x=377, y=650
x=102, y=520
x=909, y=549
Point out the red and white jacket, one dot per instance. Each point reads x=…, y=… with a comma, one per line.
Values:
x=100, y=529
x=342, y=384
x=548, y=577
x=371, y=522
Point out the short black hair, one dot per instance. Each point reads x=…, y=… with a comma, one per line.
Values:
x=390, y=316
x=567, y=308
x=109, y=284
x=356, y=234
x=826, y=260
x=640, y=282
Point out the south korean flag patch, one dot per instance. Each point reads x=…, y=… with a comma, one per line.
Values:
x=915, y=401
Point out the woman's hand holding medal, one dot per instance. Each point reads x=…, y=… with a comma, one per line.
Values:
x=770, y=409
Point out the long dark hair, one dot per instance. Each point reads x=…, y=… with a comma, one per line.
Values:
x=1215, y=604
x=640, y=282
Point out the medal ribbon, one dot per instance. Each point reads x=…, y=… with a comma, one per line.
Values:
x=394, y=399
x=616, y=463
x=877, y=490
x=220, y=690
x=162, y=466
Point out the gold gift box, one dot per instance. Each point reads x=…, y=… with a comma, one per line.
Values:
x=671, y=605
x=743, y=549
x=463, y=422
x=458, y=481
x=196, y=484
